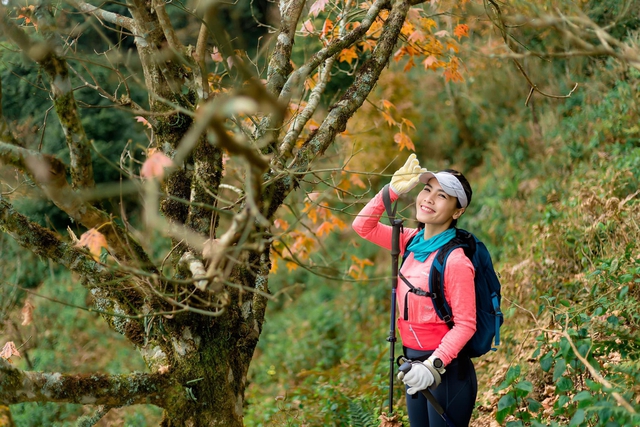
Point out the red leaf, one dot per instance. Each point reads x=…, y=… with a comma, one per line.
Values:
x=144, y=121
x=94, y=241
x=318, y=7
x=27, y=313
x=154, y=166
x=9, y=350
x=430, y=61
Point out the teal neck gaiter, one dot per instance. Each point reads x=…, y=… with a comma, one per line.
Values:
x=423, y=248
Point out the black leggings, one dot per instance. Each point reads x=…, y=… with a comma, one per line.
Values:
x=456, y=394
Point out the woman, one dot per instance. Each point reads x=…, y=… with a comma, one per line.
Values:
x=427, y=340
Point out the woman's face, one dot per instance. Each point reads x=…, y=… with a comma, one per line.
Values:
x=435, y=207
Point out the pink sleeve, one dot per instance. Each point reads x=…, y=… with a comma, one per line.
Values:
x=460, y=293
x=368, y=226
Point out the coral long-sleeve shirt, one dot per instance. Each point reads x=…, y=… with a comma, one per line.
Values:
x=424, y=330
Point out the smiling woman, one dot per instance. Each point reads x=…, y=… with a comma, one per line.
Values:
x=436, y=350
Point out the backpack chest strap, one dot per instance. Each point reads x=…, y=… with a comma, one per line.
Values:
x=413, y=290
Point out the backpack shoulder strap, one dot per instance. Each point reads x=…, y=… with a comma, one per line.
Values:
x=464, y=240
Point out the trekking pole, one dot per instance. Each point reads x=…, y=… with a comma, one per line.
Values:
x=406, y=367
x=395, y=252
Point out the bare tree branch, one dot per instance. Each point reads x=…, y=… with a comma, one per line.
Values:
x=17, y=386
x=167, y=27
x=279, y=66
x=104, y=15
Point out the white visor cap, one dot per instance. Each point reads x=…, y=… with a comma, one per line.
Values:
x=449, y=183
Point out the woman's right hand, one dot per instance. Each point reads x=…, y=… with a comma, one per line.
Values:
x=407, y=176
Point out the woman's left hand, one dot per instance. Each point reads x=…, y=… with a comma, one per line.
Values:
x=419, y=377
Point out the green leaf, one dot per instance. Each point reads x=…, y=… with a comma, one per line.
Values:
x=561, y=367
x=546, y=362
x=506, y=401
x=614, y=266
x=565, y=347
x=578, y=418
x=515, y=424
x=565, y=302
x=584, y=394
x=104, y=253
x=593, y=385
x=626, y=278
x=560, y=403
x=512, y=374
x=524, y=388
x=623, y=292
x=534, y=405
x=564, y=384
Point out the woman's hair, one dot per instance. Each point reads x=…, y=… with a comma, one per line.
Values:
x=467, y=190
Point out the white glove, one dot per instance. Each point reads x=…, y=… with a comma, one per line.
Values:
x=405, y=178
x=418, y=378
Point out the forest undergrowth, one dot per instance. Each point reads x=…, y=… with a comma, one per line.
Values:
x=562, y=222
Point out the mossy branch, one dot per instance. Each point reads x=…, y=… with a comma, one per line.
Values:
x=49, y=173
x=18, y=386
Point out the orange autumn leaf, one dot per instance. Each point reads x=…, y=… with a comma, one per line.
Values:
x=387, y=104
x=274, y=264
x=390, y=121
x=356, y=270
x=430, y=61
x=409, y=65
x=94, y=241
x=403, y=140
x=313, y=215
x=368, y=45
x=281, y=224
x=356, y=180
x=452, y=75
x=348, y=55
x=27, y=313
x=337, y=222
x=409, y=123
x=407, y=29
x=453, y=46
x=428, y=23
x=155, y=164
x=9, y=350
x=327, y=27
x=325, y=228
x=291, y=266
x=461, y=30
